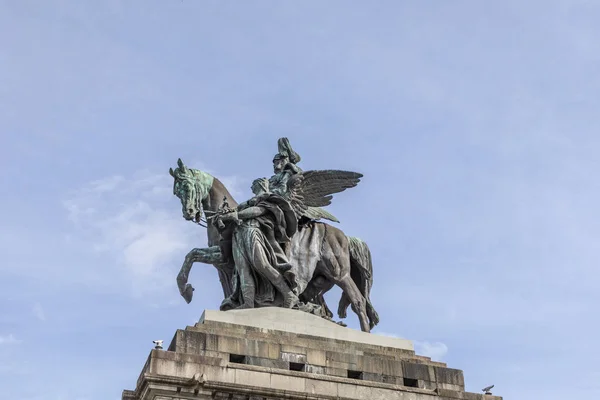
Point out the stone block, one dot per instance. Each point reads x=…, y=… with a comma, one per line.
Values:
x=221, y=374
x=267, y=362
x=293, y=357
x=391, y=367
x=285, y=382
x=286, y=348
x=375, y=393
x=384, y=366
x=393, y=380
x=214, y=354
x=449, y=386
x=449, y=375
x=315, y=369
x=416, y=371
x=370, y=364
x=449, y=394
x=189, y=342
x=369, y=376
x=316, y=357
x=340, y=372
x=346, y=390
x=252, y=378
x=474, y=396
x=233, y=345
x=341, y=365
x=428, y=385
x=177, y=364
x=323, y=388
x=345, y=358
x=211, y=342
x=263, y=349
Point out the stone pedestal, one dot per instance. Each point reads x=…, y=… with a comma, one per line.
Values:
x=275, y=353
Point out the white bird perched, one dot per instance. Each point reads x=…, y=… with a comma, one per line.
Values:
x=486, y=390
x=158, y=344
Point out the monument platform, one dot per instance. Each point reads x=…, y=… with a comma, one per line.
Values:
x=276, y=353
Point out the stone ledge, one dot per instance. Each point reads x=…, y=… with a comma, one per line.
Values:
x=330, y=378
x=300, y=323
x=166, y=385
x=264, y=377
x=451, y=394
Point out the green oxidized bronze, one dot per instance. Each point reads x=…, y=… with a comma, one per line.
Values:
x=273, y=250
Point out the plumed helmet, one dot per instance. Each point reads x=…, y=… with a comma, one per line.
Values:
x=286, y=151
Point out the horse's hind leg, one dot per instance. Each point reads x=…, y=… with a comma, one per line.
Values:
x=335, y=265
x=321, y=297
x=343, y=306
x=371, y=313
x=337, y=269
x=358, y=302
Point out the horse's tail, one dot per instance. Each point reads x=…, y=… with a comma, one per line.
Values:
x=361, y=271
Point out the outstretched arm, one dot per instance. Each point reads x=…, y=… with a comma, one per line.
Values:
x=248, y=213
x=251, y=212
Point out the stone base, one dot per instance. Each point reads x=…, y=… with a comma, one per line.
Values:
x=275, y=353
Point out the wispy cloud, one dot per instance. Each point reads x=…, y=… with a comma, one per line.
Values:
x=136, y=221
x=436, y=350
x=9, y=339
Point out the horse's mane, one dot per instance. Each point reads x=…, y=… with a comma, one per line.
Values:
x=200, y=180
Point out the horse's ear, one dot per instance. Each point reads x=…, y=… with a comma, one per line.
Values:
x=171, y=172
x=180, y=164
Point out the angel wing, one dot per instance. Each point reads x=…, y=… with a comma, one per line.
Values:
x=317, y=213
x=309, y=190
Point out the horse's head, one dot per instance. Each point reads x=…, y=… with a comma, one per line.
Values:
x=191, y=187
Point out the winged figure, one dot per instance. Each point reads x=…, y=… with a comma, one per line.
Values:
x=307, y=191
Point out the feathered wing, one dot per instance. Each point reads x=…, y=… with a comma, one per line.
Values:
x=317, y=213
x=309, y=190
x=317, y=187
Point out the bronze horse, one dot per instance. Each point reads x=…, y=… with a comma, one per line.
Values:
x=342, y=261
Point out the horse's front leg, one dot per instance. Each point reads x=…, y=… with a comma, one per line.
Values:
x=209, y=255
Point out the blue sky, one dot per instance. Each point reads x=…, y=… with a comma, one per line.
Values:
x=474, y=123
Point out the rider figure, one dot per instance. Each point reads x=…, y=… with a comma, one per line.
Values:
x=263, y=224
x=284, y=166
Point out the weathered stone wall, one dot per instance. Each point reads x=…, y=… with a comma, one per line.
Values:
x=216, y=359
